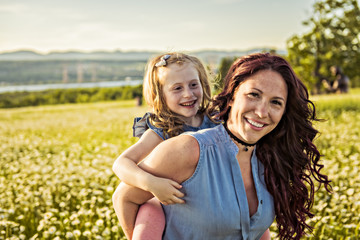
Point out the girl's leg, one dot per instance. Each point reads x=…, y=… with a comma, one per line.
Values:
x=150, y=221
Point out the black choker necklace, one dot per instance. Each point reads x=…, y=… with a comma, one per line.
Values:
x=246, y=145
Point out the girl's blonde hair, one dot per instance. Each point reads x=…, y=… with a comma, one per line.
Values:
x=163, y=117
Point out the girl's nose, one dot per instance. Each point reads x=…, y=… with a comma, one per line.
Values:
x=188, y=92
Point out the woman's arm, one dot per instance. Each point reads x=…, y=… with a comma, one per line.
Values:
x=126, y=168
x=175, y=159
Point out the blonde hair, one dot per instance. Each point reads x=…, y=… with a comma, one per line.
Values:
x=163, y=117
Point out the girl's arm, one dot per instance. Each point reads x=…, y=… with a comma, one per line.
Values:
x=126, y=168
x=175, y=159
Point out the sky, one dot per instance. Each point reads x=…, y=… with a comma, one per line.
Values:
x=151, y=25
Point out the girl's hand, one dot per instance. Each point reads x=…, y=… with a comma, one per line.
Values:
x=166, y=190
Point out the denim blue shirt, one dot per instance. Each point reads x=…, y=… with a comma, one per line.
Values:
x=216, y=204
x=141, y=124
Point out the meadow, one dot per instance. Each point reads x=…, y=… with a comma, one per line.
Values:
x=56, y=180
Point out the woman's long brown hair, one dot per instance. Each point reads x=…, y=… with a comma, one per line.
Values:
x=289, y=156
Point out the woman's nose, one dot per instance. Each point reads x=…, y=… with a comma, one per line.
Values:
x=262, y=110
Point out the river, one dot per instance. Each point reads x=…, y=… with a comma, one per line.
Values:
x=41, y=87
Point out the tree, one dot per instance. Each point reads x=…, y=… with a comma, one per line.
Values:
x=333, y=39
x=224, y=67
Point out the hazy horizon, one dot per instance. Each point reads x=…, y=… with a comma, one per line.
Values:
x=89, y=26
x=128, y=51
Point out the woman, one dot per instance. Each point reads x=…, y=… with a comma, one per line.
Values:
x=238, y=176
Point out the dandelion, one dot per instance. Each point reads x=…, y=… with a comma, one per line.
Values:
x=73, y=216
x=75, y=222
x=87, y=233
x=69, y=235
x=46, y=234
x=95, y=229
x=40, y=226
x=64, y=214
x=114, y=229
x=106, y=232
x=100, y=222
x=52, y=230
x=48, y=215
x=77, y=233
x=110, y=189
x=350, y=191
x=108, y=214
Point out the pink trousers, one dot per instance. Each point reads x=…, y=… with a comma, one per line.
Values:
x=150, y=221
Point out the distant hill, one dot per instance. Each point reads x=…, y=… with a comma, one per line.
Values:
x=27, y=67
x=73, y=55
x=206, y=55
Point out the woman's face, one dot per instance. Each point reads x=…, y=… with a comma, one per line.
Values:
x=257, y=105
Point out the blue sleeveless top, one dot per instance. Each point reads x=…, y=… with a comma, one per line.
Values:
x=216, y=205
x=142, y=124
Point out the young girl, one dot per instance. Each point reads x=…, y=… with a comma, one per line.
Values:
x=178, y=91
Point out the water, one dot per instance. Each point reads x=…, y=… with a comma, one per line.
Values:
x=41, y=87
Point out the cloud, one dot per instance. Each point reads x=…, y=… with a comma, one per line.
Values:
x=14, y=8
x=227, y=1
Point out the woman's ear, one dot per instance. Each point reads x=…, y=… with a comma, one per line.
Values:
x=231, y=102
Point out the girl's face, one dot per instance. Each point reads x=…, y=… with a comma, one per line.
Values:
x=257, y=106
x=182, y=90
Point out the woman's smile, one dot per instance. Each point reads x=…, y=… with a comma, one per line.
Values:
x=255, y=124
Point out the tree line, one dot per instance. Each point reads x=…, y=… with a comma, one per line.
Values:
x=61, y=96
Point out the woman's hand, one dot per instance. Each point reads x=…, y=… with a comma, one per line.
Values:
x=166, y=190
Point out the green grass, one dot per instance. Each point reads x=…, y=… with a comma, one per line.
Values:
x=336, y=103
x=56, y=179
x=55, y=175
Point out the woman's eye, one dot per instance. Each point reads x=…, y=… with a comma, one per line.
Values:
x=276, y=102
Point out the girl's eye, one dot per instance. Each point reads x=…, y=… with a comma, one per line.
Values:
x=253, y=94
x=194, y=85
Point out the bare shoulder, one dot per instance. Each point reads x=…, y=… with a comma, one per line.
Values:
x=175, y=158
x=186, y=146
x=142, y=148
x=150, y=136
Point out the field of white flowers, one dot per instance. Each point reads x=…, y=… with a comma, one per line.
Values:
x=56, y=180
